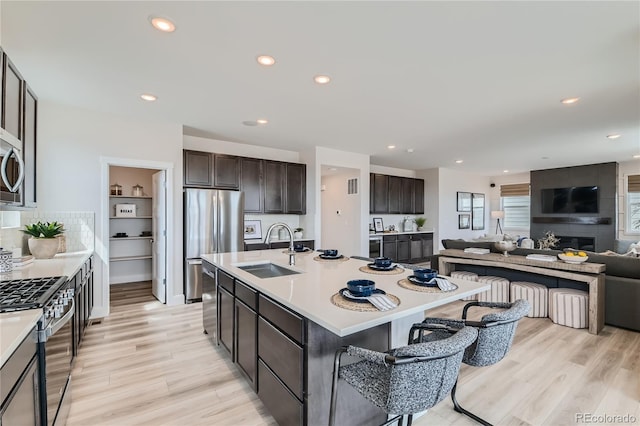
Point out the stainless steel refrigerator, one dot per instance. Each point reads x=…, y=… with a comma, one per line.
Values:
x=213, y=223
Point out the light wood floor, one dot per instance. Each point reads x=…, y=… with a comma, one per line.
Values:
x=149, y=364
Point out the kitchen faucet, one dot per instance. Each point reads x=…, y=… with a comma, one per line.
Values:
x=292, y=253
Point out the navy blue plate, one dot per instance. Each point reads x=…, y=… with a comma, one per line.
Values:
x=375, y=291
x=417, y=281
x=324, y=256
x=381, y=268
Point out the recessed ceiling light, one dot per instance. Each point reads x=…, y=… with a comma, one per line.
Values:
x=250, y=123
x=148, y=97
x=544, y=158
x=266, y=60
x=505, y=171
x=459, y=161
x=322, y=79
x=614, y=136
x=333, y=169
x=409, y=150
x=262, y=121
x=391, y=146
x=162, y=24
x=569, y=101
x=636, y=156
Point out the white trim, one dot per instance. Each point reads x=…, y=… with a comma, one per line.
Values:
x=102, y=249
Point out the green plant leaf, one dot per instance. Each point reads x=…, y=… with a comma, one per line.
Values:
x=44, y=229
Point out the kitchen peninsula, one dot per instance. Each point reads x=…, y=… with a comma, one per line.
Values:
x=282, y=332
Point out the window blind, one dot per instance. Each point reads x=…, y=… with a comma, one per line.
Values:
x=633, y=184
x=514, y=190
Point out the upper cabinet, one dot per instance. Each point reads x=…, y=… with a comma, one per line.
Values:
x=29, y=138
x=396, y=195
x=269, y=186
x=12, y=98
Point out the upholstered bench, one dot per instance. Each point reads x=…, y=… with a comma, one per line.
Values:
x=499, y=289
x=569, y=307
x=464, y=275
x=535, y=294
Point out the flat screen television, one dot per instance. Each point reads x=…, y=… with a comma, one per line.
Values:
x=577, y=199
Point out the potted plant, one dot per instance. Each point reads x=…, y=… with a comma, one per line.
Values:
x=297, y=233
x=420, y=221
x=43, y=243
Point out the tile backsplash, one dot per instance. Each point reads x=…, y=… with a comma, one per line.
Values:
x=79, y=230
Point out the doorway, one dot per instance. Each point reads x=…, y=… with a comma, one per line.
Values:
x=135, y=226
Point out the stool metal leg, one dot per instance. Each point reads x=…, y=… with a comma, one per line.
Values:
x=459, y=409
x=334, y=386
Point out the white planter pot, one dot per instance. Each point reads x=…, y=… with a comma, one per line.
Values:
x=43, y=248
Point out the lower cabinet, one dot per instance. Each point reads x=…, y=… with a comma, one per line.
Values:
x=246, y=332
x=408, y=248
x=225, y=320
x=82, y=283
x=281, y=403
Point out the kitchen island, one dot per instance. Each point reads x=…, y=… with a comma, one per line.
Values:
x=282, y=332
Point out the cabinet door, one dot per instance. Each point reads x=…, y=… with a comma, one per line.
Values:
x=246, y=340
x=226, y=171
x=209, y=298
x=12, y=100
x=1, y=88
x=251, y=184
x=380, y=193
x=274, y=174
x=403, y=248
x=296, y=189
x=407, y=195
x=29, y=151
x=225, y=320
x=197, y=169
x=394, y=194
x=389, y=248
x=427, y=247
x=415, y=248
x=418, y=203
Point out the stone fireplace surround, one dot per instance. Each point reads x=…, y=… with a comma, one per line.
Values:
x=600, y=227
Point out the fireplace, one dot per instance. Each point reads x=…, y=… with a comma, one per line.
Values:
x=580, y=243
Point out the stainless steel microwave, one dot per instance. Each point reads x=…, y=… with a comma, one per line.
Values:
x=11, y=171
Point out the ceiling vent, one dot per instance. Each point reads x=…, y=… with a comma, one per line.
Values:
x=352, y=186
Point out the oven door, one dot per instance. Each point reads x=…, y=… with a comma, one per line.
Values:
x=58, y=351
x=11, y=173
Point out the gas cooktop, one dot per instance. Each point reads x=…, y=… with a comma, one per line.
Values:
x=31, y=293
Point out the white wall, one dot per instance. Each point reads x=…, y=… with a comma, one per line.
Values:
x=71, y=143
x=392, y=171
x=243, y=150
x=335, y=226
x=451, y=182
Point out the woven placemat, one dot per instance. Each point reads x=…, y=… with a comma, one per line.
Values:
x=394, y=271
x=299, y=252
x=342, y=259
x=341, y=302
x=405, y=283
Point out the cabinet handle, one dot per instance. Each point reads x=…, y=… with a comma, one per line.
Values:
x=3, y=170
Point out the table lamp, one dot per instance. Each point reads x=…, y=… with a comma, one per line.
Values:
x=497, y=214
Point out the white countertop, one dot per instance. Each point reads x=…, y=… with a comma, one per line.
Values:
x=14, y=327
x=62, y=264
x=382, y=234
x=309, y=292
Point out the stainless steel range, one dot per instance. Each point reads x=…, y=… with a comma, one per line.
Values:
x=55, y=337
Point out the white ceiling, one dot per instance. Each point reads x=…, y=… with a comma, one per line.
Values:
x=478, y=81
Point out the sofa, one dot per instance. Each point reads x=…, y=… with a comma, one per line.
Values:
x=622, y=280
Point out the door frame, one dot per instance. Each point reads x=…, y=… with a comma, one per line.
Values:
x=103, y=248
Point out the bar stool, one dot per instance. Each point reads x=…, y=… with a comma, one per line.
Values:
x=535, y=294
x=465, y=275
x=406, y=380
x=569, y=307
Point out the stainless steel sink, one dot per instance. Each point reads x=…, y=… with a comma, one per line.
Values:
x=267, y=270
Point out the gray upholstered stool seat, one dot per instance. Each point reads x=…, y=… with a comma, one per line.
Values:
x=499, y=292
x=465, y=275
x=569, y=307
x=535, y=294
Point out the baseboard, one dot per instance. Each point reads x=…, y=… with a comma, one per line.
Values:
x=133, y=278
x=177, y=299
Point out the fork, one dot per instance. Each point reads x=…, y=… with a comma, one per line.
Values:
x=380, y=301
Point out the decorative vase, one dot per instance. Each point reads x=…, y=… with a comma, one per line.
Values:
x=297, y=235
x=43, y=248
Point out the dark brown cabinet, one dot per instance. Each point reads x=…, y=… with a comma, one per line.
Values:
x=390, y=247
x=408, y=248
x=404, y=246
x=82, y=283
x=1, y=87
x=246, y=341
x=226, y=309
x=396, y=195
x=226, y=171
x=12, y=100
x=198, y=169
x=30, y=134
x=274, y=178
x=296, y=189
x=251, y=184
